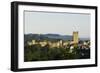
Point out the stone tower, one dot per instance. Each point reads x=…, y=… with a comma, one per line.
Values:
x=75, y=37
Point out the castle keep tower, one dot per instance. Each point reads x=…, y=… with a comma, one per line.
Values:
x=75, y=37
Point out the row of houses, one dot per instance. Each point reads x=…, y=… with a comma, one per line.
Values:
x=61, y=43
x=57, y=44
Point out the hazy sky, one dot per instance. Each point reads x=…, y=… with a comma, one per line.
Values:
x=57, y=23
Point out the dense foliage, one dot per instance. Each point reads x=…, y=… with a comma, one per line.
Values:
x=38, y=53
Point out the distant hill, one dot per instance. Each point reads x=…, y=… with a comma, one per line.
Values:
x=29, y=37
x=47, y=36
x=57, y=36
x=84, y=38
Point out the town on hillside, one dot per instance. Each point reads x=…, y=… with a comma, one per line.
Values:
x=75, y=48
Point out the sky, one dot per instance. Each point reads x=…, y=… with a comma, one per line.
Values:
x=56, y=23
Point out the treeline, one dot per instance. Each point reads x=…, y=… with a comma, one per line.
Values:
x=38, y=53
